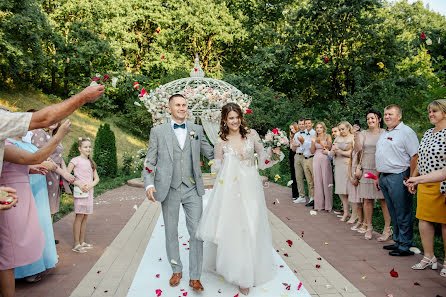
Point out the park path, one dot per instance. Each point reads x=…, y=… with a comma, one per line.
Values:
x=123, y=221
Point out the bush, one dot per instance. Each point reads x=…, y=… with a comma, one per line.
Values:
x=104, y=153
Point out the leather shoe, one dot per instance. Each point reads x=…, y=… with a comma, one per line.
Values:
x=401, y=253
x=196, y=285
x=391, y=247
x=175, y=279
x=311, y=203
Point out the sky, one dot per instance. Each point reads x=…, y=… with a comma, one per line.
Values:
x=435, y=5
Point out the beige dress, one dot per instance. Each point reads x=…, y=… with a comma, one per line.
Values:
x=341, y=164
x=367, y=143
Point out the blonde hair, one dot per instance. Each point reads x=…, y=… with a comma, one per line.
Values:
x=439, y=104
x=323, y=126
x=394, y=106
x=347, y=125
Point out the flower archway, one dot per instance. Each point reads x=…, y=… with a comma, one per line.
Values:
x=205, y=97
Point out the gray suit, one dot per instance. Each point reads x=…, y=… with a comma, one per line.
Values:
x=176, y=175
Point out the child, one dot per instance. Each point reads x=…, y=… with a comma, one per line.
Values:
x=86, y=178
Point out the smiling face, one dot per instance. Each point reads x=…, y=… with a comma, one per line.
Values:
x=308, y=125
x=436, y=116
x=319, y=129
x=335, y=132
x=373, y=120
x=343, y=130
x=85, y=148
x=301, y=125
x=292, y=130
x=392, y=117
x=178, y=109
x=233, y=121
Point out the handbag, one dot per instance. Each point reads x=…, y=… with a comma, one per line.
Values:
x=77, y=193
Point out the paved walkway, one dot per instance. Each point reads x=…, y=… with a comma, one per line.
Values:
x=349, y=265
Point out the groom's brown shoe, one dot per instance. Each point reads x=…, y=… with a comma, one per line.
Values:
x=175, y=279
x=196, y=285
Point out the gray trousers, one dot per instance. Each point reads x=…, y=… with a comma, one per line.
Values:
x=193, y=207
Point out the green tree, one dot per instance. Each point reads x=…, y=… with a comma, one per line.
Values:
x=104, y=152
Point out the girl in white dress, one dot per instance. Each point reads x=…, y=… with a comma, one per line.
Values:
x=234, y=225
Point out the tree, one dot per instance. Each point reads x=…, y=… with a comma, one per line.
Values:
x=104, y=152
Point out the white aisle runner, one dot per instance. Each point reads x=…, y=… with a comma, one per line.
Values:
x=154, y=272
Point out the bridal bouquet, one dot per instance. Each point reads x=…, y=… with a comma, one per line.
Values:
x=276, y=138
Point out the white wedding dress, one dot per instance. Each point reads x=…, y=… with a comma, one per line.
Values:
x=234, y=225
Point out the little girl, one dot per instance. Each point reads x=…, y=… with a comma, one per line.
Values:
x=86, y=178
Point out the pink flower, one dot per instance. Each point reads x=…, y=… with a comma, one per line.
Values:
x=268, y=137
x=143, y=92
x=370, y=175
x=284, y=140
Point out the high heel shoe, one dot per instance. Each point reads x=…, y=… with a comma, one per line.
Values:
x=352, y=221
x=426, y=262
x=369, y=232
x=385, y=236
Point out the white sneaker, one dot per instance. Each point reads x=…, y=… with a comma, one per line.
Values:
x=300, y=200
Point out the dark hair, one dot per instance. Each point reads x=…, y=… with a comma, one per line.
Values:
x=93, y=163
x=176, y=95
x=301, y=120
x=378, y=114
x=225, y=110
x=308, y=119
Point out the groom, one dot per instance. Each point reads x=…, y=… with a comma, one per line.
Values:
x=172, y=176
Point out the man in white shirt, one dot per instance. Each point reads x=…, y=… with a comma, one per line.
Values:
x=396, y=155
x=14, y=124
x=299, y=160
x=308, y=159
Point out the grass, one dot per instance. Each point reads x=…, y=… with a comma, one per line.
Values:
x=105, y=184
x=82, y=124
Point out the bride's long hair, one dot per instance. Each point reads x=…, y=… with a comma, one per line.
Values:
x=224, y=129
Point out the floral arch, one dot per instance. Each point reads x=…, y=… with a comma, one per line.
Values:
x=205, y=96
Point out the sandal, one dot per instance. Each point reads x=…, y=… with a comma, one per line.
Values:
x=356, y=226
x=86, y=245
x=369, y=231
x=79, y=249
x=363, y=228
x=352, y=221
x=426, y=262
x=33, y=278
x=385, y=236
x=443, y=270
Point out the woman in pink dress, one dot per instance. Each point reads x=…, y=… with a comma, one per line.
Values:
x=22, y=240
x=86, y=178
x=323, y=174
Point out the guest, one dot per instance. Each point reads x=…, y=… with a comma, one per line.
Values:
x=294, y=128
x=353, y=190
x=341, y=150
x=396, y=154
x=365, y=142
x=86, y=179
x=431, y=202
x=17, y=124
x=31, y=272
x=21, y=237
x=323, y=175
x=308, y=159
x=40, y=138
x=9, y=194
x=297, y=145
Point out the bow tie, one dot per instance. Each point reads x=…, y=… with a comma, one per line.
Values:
x=182, y=126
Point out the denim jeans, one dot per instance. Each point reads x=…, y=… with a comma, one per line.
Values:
x=400, y=204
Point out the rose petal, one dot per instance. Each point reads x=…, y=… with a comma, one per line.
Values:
x=318, y=266
x=290, y=243
x=286, y=255
x=319, y=258
x=157, y=276
x=298, y=287
x=393, y=273
x=416, y=284
x=267, y=161
x=281, y=266
x=158, y=292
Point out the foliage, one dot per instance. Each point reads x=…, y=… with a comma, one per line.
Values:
x=104, y=153
x=74, y=151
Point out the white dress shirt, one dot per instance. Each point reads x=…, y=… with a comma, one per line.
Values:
x=180, y=133
x=307, y=143
x=395, y=148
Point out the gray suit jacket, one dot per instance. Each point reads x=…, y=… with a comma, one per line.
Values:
x=158, y=165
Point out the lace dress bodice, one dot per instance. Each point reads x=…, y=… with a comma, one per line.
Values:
x=247, y=151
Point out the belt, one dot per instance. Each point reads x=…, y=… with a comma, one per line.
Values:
x=306, y=158
x=299, y=154
x=385, y=173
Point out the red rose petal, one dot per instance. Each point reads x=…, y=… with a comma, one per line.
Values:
x=285, y=284
x=318, y=266
x=290, y=243
x=393, y=273
x=416, y=284
x=185, y=294
x=219, y=291
x=298, y=287
x=294, y=271
x=276, y=96
x=364, y=260
x=98, y=272
x=236, y=295
x=281, y=266
x=319, y=258
x=158, y=292
x=267, y=161
x=157, y=275
x=286, y=255
x=288, y=287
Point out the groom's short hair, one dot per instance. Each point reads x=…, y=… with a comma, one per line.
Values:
x=176, y=95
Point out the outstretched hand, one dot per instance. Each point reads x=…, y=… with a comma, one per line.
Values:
x=92, y=93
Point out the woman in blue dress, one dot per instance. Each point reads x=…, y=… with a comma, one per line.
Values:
x=40, y=193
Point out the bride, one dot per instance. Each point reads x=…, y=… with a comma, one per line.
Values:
x=234, y=225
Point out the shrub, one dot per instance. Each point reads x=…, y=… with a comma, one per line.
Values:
x=104, y=153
